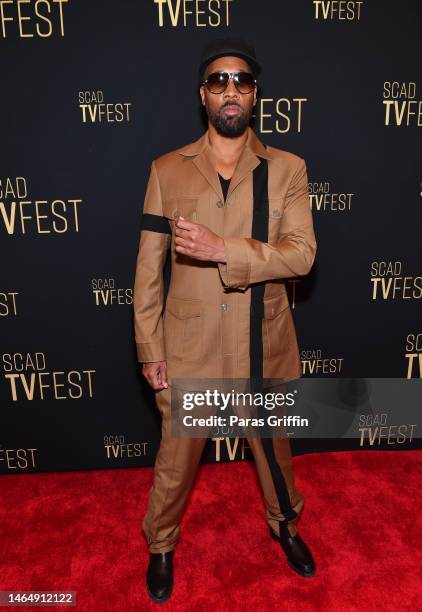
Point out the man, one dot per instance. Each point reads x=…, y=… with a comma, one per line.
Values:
x=227, y=314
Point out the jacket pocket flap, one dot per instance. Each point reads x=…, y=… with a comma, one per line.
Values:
x=276, y=304
x=272, y=207
x=185, y=206
x=184, y=309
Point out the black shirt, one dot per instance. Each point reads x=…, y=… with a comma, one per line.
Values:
x=224, y=185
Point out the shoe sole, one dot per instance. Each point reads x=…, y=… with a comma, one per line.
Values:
x=295, y=569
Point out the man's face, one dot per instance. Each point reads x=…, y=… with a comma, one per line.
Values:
x=229, y=112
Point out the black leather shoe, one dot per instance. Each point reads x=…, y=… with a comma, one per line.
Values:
x=299, y=557
x=160, y=576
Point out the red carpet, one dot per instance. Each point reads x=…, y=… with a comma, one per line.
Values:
x=81, y=531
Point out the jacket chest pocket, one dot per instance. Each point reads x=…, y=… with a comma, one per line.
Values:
x=185, y=206
x=276, y=326
x=272, y=214
x=183, y=334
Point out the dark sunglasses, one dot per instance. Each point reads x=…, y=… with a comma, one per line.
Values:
x=217, y=82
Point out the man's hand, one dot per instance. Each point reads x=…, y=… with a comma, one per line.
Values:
x=156, y=374
x=198, y=241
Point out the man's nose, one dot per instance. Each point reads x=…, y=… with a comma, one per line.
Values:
x=231, y=88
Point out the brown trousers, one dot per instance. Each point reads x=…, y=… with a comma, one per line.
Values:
x=175, y=469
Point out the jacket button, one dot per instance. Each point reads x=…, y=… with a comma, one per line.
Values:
x=220, y=203
x=276, y=212
x=225, y=306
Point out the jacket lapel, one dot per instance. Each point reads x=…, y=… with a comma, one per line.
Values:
x=203, y=158
x=205, y=163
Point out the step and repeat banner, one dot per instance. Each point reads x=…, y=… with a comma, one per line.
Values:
x=92, y=92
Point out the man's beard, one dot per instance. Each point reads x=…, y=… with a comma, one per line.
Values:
x=227, y=125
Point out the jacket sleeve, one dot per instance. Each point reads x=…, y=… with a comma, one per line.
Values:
x=250, y=261
x=148, y=293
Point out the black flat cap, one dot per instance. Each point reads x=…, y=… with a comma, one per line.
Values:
x=229, y=46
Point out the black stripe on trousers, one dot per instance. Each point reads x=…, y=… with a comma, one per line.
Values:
x=260, y=222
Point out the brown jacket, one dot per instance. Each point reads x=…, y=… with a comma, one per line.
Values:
x=228, y=319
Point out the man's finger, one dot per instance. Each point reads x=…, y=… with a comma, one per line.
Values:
x=185, y=251
x=184, y=223
x=153, y=380
x=184, y=242
x=181, y=233
x=163, y=375
x=151, y=374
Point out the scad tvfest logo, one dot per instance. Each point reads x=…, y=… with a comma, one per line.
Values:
x=375, y=430
x=107, y=293
x=95, y=108
x=28, y=378
x=21, y=215
x=32, y=18
x=337, y=10
x=401, y=106
x=17, y=459
x=413, y=355
x=116, y=447
x=324, y=198
x=390, y=282
x=315, y=363
x=193, y=13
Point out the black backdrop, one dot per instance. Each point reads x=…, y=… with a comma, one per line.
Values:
x=92, y=91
